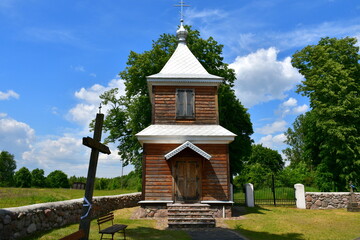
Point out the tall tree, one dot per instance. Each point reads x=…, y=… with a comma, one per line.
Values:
x=268, y=158
x=332, y=72
x=131, y=113
x=37, y=178
x=263, y=163
x=23, y=178
x=7, y=168
x=304, y=140
x=57, y=179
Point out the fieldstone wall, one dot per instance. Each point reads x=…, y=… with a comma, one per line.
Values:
x=328, y=200
x=23, y=221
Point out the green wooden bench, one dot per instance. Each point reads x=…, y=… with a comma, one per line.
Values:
x=113, y=228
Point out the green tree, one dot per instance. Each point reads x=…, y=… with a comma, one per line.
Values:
x=7, y=168
x=332, y=72
x=132, y=113
x=37, y=178
x=304, y=139
x=57, y=179
x=262, y=163
x=296, y=173
x=268, y=158
x=23, y=178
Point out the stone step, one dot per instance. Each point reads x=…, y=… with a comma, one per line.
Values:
x=188, y=206
x=188, y=210
x=191, y=225
x=185, y=219
x=190, y=215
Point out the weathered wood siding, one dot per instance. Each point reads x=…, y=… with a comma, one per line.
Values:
x=158, y=179
x=157, y=182
x=215, y=180
x=164, y=105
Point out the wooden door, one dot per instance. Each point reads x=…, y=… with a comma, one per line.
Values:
x=187, y=181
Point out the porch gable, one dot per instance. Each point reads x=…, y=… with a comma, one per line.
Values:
x=185, y=145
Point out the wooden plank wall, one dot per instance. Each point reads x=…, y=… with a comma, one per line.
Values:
x=157, y=184
x=164, y=109
x=215, y=180
x=158, y=181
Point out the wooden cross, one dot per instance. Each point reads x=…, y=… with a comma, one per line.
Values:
x=96, y=147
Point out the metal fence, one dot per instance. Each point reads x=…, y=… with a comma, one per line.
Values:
x=269, y=194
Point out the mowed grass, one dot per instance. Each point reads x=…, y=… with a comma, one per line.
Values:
x=16, y=197
x=284, y=223
x=137, y=229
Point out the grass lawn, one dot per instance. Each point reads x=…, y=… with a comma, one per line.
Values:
x=137, y=229
x=281, y=223
x=16, y=197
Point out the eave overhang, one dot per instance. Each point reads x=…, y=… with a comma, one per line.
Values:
x=178, y=134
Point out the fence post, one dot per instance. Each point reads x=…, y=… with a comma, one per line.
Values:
x=300, y=196
x=249, y=195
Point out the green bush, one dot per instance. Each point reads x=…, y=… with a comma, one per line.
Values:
x=23, y=178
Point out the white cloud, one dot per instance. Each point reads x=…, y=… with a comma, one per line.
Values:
x=51, y=35
x=63, y=152
x=291, y=107
x=16, y=137
x=311, y=34
x=61, y=149
x=262, y=78
x=278, y=126
x=205, y=15
x=9, y=94
x=78, y=68
x=85, y=111
x=301, y=109
x=291, y=102
x=272, y=142
x=67, y=153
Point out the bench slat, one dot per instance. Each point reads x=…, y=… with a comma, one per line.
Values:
x=113, y=229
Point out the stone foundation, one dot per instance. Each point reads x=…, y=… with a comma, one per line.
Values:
x=160, y=210
x=328, y=200
x=23, y=221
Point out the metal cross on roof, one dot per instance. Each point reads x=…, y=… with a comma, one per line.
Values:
x=182, y=5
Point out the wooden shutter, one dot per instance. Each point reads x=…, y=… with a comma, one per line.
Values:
x=185, y=103
x=189, y=103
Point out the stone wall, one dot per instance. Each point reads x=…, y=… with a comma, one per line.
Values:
x=328, y=200
x=23, y=221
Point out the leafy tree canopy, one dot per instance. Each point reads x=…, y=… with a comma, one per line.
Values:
x=7, y=168
x=268, y=158
x=258, y=169
x=332, y=142
x=23, y=178
x=38, y=178
x=57, y=179
x=132, y=113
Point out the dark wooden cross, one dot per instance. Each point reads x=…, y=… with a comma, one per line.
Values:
x=96, y=147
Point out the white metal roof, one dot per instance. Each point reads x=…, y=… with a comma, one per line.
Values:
x=185, y=145
x=159, y=133
x=183, y=64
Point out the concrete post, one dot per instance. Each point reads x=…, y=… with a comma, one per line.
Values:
x=300, y=196
x=249, y=195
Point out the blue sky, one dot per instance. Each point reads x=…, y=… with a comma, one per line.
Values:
x=58, y=56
